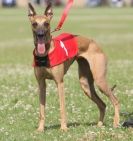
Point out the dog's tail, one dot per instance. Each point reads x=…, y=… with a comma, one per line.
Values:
x=112, y=89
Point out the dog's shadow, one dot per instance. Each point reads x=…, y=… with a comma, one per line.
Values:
x=70, y=125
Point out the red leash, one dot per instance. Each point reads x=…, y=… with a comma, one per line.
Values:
x=64, y=15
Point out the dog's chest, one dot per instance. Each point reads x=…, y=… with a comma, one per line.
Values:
x=43, y=72
x=47, y=73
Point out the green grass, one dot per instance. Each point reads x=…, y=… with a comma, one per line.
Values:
x=19, y=105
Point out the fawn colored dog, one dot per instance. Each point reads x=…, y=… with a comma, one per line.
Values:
x=92, y=66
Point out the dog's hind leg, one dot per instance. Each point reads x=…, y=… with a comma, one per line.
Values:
x=98, y=67
x=87, y=84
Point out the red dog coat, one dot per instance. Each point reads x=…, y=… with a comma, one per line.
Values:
x=65, y=48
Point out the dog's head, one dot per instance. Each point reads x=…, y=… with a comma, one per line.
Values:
x=41, y=28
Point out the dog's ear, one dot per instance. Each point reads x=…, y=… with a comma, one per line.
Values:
x=49, y=11
x=31, y=10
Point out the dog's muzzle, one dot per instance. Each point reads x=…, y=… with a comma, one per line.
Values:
x=40, y=42
x=40, y=34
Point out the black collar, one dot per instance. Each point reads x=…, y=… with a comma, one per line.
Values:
x=41, y=61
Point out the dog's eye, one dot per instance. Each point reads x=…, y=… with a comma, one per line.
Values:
x=34, y=24
x=49, y=14
x=46, y=24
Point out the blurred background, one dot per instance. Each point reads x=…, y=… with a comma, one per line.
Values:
x=77, y=3
x=110, y=23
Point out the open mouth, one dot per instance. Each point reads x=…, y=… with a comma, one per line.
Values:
x=40, y=44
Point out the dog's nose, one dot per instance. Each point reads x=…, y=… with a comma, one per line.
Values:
x=40, y=33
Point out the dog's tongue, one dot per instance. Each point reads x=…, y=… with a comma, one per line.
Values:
x=41, y=48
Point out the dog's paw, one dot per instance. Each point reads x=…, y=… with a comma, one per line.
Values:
x=116, y=125
x=100, y=124
x=64, y=129
x=40, y=129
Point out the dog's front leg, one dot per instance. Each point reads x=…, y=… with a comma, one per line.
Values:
x=42, y=99
x=60, y=86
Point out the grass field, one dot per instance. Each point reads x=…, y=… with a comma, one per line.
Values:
x=19, y=105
